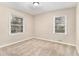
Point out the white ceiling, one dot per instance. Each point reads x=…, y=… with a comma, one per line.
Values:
x=28, y=7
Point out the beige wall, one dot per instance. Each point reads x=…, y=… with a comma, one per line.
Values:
x=5, y=37
x=77, y=27
x=40, y=26
x=44, y=26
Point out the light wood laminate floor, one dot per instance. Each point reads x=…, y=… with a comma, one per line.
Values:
x=36, y=47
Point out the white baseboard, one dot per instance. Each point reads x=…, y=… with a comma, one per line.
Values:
x=15, y=42
x=56, y=41
x=39, y=39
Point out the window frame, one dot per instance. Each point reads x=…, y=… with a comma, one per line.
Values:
x=55, y=24
x=10, y=19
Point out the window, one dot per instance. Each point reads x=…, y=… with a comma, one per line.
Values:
x=16, y=24
x=60, y=25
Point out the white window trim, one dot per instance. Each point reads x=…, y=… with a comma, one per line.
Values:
x=65, y=25
x=10, y=17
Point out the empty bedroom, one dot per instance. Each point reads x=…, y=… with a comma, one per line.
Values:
x=39, y=29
